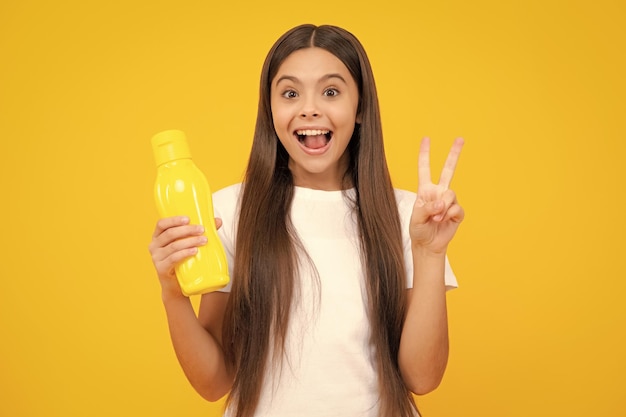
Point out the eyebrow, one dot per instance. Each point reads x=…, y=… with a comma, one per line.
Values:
x=324, y=78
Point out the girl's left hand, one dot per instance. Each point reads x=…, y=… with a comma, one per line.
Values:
x=436, y=213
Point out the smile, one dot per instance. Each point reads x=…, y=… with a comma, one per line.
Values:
x=314, y=139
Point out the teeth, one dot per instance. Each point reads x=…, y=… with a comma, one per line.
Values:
x=312, y=132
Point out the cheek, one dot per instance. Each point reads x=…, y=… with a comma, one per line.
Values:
x=280, y=117
x=286, y=144
x=347, y=117
x=281, y=127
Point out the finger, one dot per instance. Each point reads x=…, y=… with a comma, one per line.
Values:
x=181, y=255
x=453, y=157
x=167, y=265
x=179, y=232
x=168, y=222
x=172, y=234
x=424, y=210
x=423, y=163
x=448, y=198
x=218, y=222
x=455, y=213
x=183, y=245
x=173, y=250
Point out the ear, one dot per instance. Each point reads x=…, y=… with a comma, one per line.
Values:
x=358, y=119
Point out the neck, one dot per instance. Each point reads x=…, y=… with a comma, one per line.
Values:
x=332, y=180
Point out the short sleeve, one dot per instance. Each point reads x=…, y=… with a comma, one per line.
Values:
x=225, y=207
x=406, y=200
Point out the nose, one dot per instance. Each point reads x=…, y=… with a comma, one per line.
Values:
x=312, y=113
x=310, y=108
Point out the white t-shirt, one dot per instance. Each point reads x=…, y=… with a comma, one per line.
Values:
x=329, y=368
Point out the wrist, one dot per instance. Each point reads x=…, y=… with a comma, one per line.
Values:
x=428, y=268
x=425, y=252
x=172, y=295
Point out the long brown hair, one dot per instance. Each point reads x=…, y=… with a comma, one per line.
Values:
x=267, y=248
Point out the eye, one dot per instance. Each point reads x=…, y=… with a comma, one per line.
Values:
x=290, y=94
x=331, y=92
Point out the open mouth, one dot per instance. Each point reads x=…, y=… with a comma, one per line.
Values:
x=314, y=138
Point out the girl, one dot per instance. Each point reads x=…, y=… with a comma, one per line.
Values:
x=337, y=303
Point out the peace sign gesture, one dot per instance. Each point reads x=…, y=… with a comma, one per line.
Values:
x=436, y=213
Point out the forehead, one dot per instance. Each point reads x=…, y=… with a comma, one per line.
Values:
x=311, y=63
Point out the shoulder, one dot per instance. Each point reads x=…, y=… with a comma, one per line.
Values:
x=228, y=193
x=227, y=197
x=226, y=202
x=405, y=200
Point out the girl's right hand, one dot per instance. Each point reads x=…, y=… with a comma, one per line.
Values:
x=173, y=241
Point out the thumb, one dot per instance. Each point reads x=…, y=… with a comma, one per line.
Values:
x=424, y=210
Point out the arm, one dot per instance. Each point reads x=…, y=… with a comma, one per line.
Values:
x=196, y=340
x=423, y=352
x=197, y=343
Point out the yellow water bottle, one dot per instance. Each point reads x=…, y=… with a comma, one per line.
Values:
x=181, y=189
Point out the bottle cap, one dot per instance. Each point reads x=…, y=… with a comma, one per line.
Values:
x=169, y=146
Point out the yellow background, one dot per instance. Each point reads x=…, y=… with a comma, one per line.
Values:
x=537, y=89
